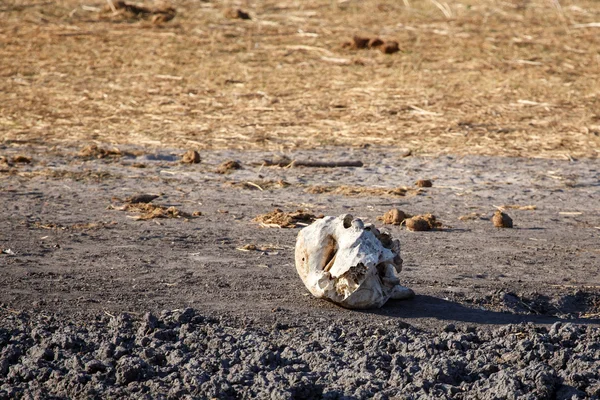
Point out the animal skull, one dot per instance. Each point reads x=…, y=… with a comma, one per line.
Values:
x=350, y=263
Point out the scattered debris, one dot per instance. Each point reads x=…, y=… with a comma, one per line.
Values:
x=390, y=47
x=425, y=222
x=197, y=214
x=5, y=164
x=359, y=43
x=502, y=220
x=361, y=190
x=191, y=157
x=393, y=217
x=279, y=219
x=517, y=207
x=375, y=42
x=235, y=13
x=129, y=10
x=284, y=161
x=279, y=161
x=151, y=211
x=261, y=185
x=8, y=252
x=76, y=227
x=572, y=304
x=228, y=166
x=142, y=198
x=326, y=164
x=92, y=225
x=247, y=247
x=268, y=249
x=21, y=159
x=471, y=216
x=93, y=151
x=424, y=183
x=18, y=159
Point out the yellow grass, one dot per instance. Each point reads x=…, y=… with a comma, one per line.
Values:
x=517, y=78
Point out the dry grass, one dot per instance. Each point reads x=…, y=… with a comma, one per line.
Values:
x=148, y=211
x=280, y=219
x=511, y=77
x=346, y=190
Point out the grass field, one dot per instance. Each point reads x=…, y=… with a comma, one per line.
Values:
x=509, y=78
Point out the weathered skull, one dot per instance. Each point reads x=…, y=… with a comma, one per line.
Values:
x=349, y=263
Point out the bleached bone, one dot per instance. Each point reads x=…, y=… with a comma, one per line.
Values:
x=350, y=263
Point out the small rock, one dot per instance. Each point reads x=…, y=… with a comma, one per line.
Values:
x=236, y=13
x=424, y=183
x=450, y=328
x=360, y=42
x=93, y=366
x=129, y=369
x=141, y=198
x=502, y=220
x=390, y=47
x=375, y=42
x=21, y=159
x=191, y=157
x=228, y=166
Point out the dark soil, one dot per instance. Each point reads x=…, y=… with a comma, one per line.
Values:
x=182, y=352
x=498, y=313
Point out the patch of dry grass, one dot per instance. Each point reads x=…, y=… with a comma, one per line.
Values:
x=473, y=77
x=345, y=190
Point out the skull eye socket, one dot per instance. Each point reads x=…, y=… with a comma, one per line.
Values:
x=348, y=221
x=329, y=253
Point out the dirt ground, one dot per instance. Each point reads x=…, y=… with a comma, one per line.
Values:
x=82, y=273
x=495, y=102
x=75, y=251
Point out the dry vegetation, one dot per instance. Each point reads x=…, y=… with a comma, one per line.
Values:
x=512, y=77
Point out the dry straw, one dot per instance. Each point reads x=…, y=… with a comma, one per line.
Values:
x=510, y=78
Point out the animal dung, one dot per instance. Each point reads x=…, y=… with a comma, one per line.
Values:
x=390, y=47
x=360, y=43
x=141, y=198
x=424, y=183
x=190, y=157
x=236, y=13
x=350, y=263
x=375, y=42
x=394, y=217
x=148, y=211
x=425, y=222
x=280, y=219
x=21, y=159
x=125, y=9
x=502, y=220
x=228, y=166
x=93, y=151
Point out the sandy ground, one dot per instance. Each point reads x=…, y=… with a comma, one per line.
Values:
x=74, y=254
x=77, y=263
x=493, y=101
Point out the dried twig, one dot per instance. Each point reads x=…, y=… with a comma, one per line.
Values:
x=311, y=164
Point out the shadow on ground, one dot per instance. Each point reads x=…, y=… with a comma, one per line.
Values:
x=423, y=306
